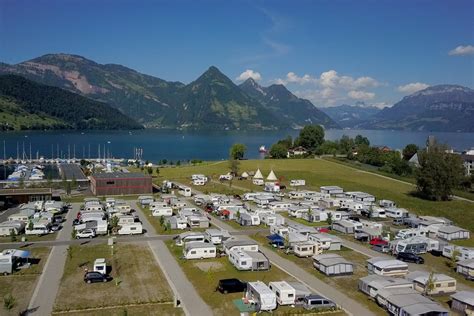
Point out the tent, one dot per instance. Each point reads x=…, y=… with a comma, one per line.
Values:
x=245, y=175
x=275, y=238
x=272, y=176
x=258, y=175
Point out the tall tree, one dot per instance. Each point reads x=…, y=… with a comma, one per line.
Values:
x=310, y=137
x=361, y=140
x=278, y=151
x=439, y=173
x=237, y=151
x=409, y=151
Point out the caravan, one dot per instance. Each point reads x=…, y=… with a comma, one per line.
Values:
x=40, y=227
x=185, y=191
x=261, y=295
x=199, y=250
x=189, y=237
x=297, y=183
x=131, y=229
x=409, y=233
x=284, y=292
x=248, y=260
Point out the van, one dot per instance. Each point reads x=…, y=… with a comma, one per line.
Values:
x=311, y=302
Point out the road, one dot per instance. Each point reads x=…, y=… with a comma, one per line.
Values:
x=183, y=290
x=44, y=295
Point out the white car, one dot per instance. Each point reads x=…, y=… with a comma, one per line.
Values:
x=85, y=233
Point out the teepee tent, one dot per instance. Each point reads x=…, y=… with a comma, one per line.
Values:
x=272, y=176
x=245, y=175
x=258, y=174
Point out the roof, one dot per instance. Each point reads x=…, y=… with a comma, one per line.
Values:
x=256, y=255
x=258, y=174
x=330, y=259
x=281, y=285
x=239, y=242
x=382, y=262
x=272, y=176
x=389, y=292
x=300, y=288
x=260, y=287
x=26, y=191
x=198, y=244
x=415, y=304
x=464, y=297
x=380, y=282
x=466, y=263
x=120, y=175
x=331, y=188
x=450, y=229
x=423, y=276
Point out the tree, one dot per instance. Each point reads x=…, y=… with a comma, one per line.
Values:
x=237, y=151
x=234, y=166
x=9, y=302
x=162, y=220
x=31, y=225
x=178, y=163
x=361, y=141
x=310, y=137
x=346, y=144
x=278, y=151
x=329, y=220
x=438, y=174
x=168, y=226
x=157, y=171
x=409, y=151
x=430, y=284
x=114, y=226
x=286, y=142
x=149, y=170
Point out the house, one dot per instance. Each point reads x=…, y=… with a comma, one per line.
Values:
x=468, y=162
x=240, y=244
x=443, y=284
x=17, y=227
x=216, y=236
x=177, y=222
x=386, y=267
x=466, y=268
x=332, y=264
x=373, y=283
x=414, y=304
x=249, y=260
x=332, y=190
x=296, y=151
x=463, y=302
x=198, y=221
x=199, y=250
x=346, y=226
x=451, y=232
x=248, y=219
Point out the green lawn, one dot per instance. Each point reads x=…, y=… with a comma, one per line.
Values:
x=140, y=310
x=318, y=172
x=137, y=278
x=22, y=283
x=47, y=237
x=345, y=284
x=205, y=282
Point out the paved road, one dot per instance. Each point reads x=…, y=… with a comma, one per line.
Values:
x=183, y=290
x=42, y=301
x=4, y=215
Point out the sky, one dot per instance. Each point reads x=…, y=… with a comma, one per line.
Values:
x=330, y=52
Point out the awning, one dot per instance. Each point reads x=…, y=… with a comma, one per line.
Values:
x=225, y=213
x=21, y=253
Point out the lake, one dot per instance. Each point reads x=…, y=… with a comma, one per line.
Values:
x=179, y=145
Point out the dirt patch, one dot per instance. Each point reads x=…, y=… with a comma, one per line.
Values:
x=206, y=266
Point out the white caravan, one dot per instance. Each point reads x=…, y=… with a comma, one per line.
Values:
x=131, y=229
x=261, y=295
x=297, y=183
x=285, y=293
x=199, y=250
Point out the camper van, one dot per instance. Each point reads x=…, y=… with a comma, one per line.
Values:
x=395, y=212
x=285, y=293
x=199, y=250
x=261, y=295
x=258, y=182
x=185, y=191
x=200, y=181
x=131, y=229
x=297, y=183
x=409, y=233
x=294, y=195
x=248, y=260
x=306, y=249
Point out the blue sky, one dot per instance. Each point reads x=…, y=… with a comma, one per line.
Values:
x=331, y=52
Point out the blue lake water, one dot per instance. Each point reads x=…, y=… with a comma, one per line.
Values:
x=179, y=145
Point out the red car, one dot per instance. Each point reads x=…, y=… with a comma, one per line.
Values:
x=378, y=241
x=323, y=230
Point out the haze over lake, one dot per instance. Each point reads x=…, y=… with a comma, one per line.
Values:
x=180, y=145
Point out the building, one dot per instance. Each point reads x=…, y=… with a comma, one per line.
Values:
x=387, y=267
x=463, y=302
x=414, y=304
x=117, y=183
x=468, y=161
x=451, y=232
x=332, y=264
x=20, y=196
x=297, y=151
x=443, y=284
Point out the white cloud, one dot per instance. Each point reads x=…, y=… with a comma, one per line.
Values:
x=360, y=95
x=249, y=73
x=462, y=50
x=412, y=87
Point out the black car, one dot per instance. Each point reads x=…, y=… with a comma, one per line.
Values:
x=93, y=277
x=58, y=219
x=76, y=222
x=410, y=257
x=231, y=286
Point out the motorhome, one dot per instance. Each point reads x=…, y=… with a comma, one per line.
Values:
x=131, y=229
x=297, y=183
x=296, y=195
x=285, y=293
x=185, y=191
x=410, y=232
x=395, y=212
x=199, y=250
x=261, y=295
x=386, y=267
x=463, y=253
x=189, y=237
x=145, y=200
x=248, y=260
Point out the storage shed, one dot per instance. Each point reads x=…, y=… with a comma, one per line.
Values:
x=451, y=232
x=332, y=264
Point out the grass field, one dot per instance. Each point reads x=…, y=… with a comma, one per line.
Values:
x=137, y=278
x=318, y=172
x=29, y=238
x=22, y=283
x=151, y=309
x=205, y=282
x=345, y=284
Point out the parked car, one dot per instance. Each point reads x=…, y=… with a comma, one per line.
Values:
x=93, y=277
x=436, y=253
x=378, y=241
x=231, y=286
x=323, y=229
x=85, y=233
x=55, y=227
x=76, y=222
x=311, y=302
x=58, y=219
x=410, y=257
x=381, y=248
x=398, y=221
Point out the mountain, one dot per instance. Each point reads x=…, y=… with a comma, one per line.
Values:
x=214, y=101
x=144, y=98
x=349, y=116
x=25, y=104
x=441, y=108
x=286, y=106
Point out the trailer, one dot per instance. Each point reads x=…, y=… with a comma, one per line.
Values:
x=131, y=229
x=163, y=211
x=145, y=200
x=17, y=227
x=199, y=250
x=260, y=295
x=248, y=260
x=297, y=183
x=284, y=292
